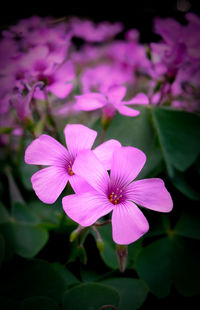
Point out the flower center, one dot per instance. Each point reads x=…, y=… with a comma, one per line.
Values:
x=69, y=168
x=115, y=196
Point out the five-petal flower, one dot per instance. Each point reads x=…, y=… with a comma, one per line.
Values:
x=116, y=193
x=48, y=183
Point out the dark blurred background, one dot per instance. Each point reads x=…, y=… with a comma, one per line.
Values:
x=133, y=14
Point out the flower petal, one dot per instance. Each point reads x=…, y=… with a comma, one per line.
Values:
x=151, y=194
x=126, y=164
x=122, y=109
x=79, y=137
x=91, y=169
x=138, y=99
x=45, y=150
x=116, y=94
x=86, y=208
x=105, y=151
x=128, y=223
x=49, y=182
x=90, y=101
x=79, y=184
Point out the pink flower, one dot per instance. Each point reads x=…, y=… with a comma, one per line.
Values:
x=49, y=182
x=110, y=102
x=116, y=193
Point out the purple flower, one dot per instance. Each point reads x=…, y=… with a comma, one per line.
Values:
x=110, y=102
x=49, y=182
x=116, y=193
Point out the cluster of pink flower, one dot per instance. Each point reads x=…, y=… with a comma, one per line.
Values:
x=38, y=60
x=97, y=193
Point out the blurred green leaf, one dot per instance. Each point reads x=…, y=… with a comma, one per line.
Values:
x=4, y=214
x=181, y=183
x=90, y=296
x=188, y=225
x=179, y=135
x=15, y=195
x=153, y=265
x=186, y=268
x=39, y=303
x=26, y=240
x=138, y=132
x=109, y=254
x=34, y=278
x=133, y=250
x=133, y=292
x=26, y=173
x=23, y=214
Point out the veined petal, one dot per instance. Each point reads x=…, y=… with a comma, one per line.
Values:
x=48, y=183
x=86, y=208
x=105, y=151
x=116, y=94
x=128, y=223
x=122, y=109
x=138, y=99
x=91, y=169
x=79, y=184
x=126, y=164
x=151, y=194
x=90, y=101
x=79, y=137
x=45, y=150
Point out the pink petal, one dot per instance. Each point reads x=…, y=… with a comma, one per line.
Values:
x=46, y=151
x=128, y=223
x=49, y=182
x=79, y=184
x=138, y=99
x=91, y=169
x=122, y=109
x=116, y=93
x=79, y=137
x=90, y=101
x=105, y=151
x=60, y=89
x=86, y=208
x=152, y=194
x=126, y=164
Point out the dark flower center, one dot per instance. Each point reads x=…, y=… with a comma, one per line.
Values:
x=69, y=168
x=115, y=196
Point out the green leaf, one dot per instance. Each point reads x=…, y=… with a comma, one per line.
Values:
x=34, y=278
x=179, y=135
x=4, y=215
x=109, y=254
x=133, y=292
x=133, y=250
x=39, y=303
x=153, y=265
x=186, y=269
x=180, y=182
x=90, y=296
x=26, y=173
x=65, y=274
x=138, y=132
x=189, y=225
x=26, y=240
x=23, y=214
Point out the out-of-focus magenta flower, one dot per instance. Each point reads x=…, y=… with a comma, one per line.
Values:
x=116, y=193
x=22, y=103
x=103, y=76
x=110, y=102
x=49, y=182
x=92, y=32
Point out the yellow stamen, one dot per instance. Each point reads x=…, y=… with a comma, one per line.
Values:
x=115, y=202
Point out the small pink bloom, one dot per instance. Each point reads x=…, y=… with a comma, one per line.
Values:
x=49, y=182
x=110, y=102
x=116, y=193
